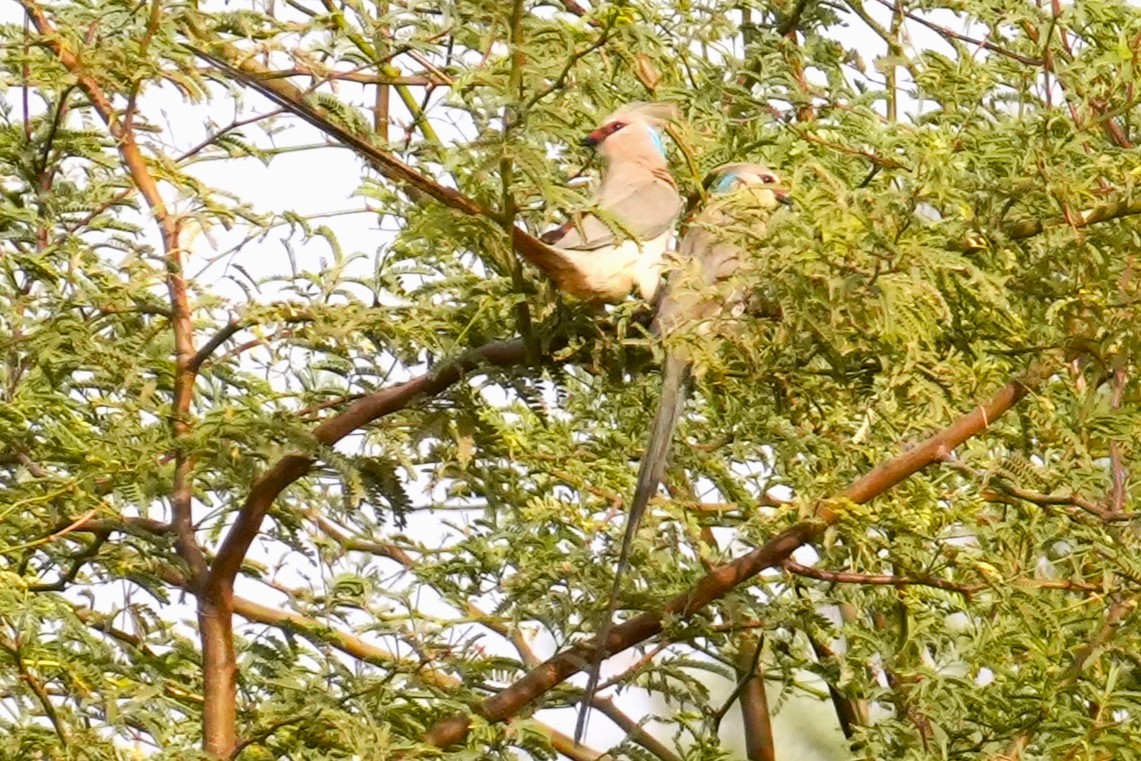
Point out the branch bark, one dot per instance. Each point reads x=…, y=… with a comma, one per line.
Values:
x=289, y=97
x=293, y=466
x=714, y=585
x=754, y=701
x=219, y=710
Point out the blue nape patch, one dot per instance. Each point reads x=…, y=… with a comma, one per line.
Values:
x=725, y=183
x=657, y=138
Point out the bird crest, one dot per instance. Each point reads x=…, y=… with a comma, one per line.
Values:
x=657, y=114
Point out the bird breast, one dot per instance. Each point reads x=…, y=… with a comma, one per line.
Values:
x=609, y=274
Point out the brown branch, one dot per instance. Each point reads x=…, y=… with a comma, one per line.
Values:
x=633, y=729
x=214, y=136
x=142, y=178
x=717, y=583
x=1009, y=494
x=1115, y=500
x=324, y=634
x=998, y=487
x=381, y=108
x=646, y=659
x=367, y=652
x=850, y=713
x=351, y=543
x=219, y=715
x=15, y=648
x=265, y=732
x=945, y=32
x=900, y=689
x=1117, y=612
x=136, y=526
x=78, y=561
x=222, y=336
x=288, y=97
x=103, y=623
x=560, y=81
x=219, y=709
x=560, y=742
x=874, y=159
x=360, y=77
x=792, y=53
x=342, y=641
x=846, y=577
x=755, y=714
x=293, y=466
x=1027, y=228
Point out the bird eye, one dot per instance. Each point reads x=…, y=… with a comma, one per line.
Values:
x=615, y=126
x=768, y=179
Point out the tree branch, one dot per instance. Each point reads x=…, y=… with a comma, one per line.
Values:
x=367, y=652
x=222, y=336
x=849, y=713
x=945, y=32
x=995, y=487
x=293, y=466
x=887, y=580
x=352, y=543
x=721, y=580
x=144, y=180
x=560, y=742
x=633, y=729
x=15, y=648
x=755, y=714
x=288, y=97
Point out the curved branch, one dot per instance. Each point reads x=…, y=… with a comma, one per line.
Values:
x=1028, y=228
x=289, y=97
x=721, y=580
x=352, y=543
x=15, y=649
x=367, y=652
x=365, y=410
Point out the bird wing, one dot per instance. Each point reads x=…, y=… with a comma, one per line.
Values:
x=642, y=208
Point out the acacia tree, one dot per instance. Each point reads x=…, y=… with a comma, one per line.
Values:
x=271, y=493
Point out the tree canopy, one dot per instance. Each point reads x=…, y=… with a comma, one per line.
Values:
x=302, y=454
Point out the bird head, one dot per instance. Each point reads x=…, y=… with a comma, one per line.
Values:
x=761, y=181
x=633, y=131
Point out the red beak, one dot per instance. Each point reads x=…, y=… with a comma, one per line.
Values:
x=593, y=139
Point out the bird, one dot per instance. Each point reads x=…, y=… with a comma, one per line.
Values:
x=620, y=243
x=742, y=194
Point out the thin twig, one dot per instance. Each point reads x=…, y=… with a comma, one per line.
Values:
x=846, y=577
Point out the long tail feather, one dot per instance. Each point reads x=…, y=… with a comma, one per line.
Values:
x=675, y=383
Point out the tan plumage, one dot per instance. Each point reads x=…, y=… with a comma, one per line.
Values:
x=621, y=244
x=706, y=257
